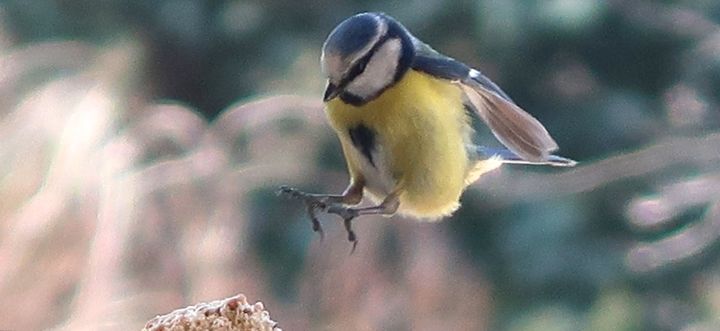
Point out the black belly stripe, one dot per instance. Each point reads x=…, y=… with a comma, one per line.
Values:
x=363, y=138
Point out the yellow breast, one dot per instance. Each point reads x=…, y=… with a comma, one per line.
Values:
x=421, y=130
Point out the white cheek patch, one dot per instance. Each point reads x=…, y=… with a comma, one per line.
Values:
x=379, y=72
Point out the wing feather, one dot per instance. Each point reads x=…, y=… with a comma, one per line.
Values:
x=519, y=131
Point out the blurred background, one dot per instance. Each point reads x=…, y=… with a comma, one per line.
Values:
x=141, y=143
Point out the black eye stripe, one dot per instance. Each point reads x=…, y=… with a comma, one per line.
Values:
x=407, y=54
x=361, y=64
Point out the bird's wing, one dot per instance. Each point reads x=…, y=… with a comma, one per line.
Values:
x=506, y=156
x=513, y=127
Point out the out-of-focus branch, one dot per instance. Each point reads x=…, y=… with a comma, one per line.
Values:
x=654, y=212
x=691, y=241
x=231, y=314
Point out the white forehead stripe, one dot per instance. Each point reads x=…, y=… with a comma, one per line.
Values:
x=381, y=30
x=379, y=72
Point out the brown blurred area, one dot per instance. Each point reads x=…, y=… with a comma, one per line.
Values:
x=132, y=183
x=116, y=209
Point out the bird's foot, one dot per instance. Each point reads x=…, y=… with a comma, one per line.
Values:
x=347, y=214
x=315, y=203
x=312, y=203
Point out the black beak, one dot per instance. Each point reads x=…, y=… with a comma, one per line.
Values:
x=331, y=91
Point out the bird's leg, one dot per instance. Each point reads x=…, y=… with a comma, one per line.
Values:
x=352, y=196
x=388, y=207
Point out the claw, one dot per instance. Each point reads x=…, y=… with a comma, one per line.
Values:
x=312, y=204
x=315, y=223
x=347, y=214
x=287, y=190
x=351, y=235
x=354, y=246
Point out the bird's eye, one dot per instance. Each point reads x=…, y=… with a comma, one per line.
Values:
x=361, y=66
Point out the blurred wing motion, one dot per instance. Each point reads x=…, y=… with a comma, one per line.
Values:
x=513, y=127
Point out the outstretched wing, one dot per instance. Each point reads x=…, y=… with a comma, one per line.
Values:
x=513, y=127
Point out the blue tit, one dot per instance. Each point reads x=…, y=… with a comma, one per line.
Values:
x=402, y=112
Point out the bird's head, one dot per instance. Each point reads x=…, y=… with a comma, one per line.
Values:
x=364, y=55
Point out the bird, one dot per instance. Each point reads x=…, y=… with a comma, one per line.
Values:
x=402, y=113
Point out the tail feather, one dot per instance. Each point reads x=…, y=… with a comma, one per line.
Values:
x=507, y=156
